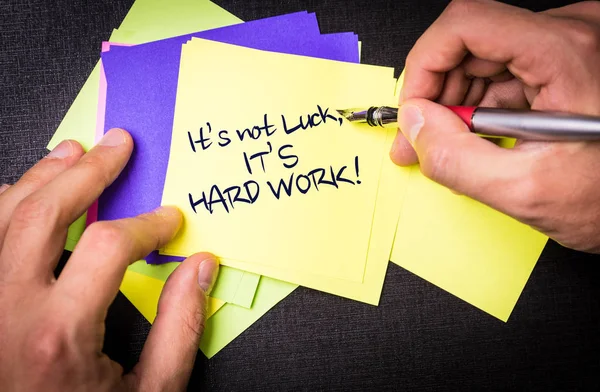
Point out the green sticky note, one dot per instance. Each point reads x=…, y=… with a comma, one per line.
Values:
x=233, y=285
x=231, y=320
x=248, y=284
x=80, y=121
x=147, y=20
x=158, y=19
x=74, y=233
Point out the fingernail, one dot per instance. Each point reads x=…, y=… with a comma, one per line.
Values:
x=113, y=138
x=207, y=274
x=4, y=187
x=395, y=142
x=457, y=193
x=410, y=120
x=63, y=150
x=169, y=212
x=401, y=96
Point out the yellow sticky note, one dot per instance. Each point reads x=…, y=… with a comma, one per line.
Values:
x=468, y=249
x=143, y=292
x=268, y=175
x=463, y=246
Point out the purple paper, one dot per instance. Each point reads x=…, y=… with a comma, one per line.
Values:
x=141, y=92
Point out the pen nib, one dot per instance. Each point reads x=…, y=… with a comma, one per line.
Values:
x=346, y=113
x=352, y=114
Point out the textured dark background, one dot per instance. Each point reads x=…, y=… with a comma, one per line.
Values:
x=419, y=338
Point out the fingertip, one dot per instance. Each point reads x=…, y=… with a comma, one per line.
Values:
x=417, y=114
x=171, y=214
x=116, y=137
x=169, y=211
x=208, y=270
x=128, y=139
x=410, y=121
x=402, y=153
x=76, y=148
x=66, y=151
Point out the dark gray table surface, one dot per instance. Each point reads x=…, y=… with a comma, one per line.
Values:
x=419, y=338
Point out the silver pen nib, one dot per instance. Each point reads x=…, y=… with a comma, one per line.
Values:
x=353, y=115
x=374, y=116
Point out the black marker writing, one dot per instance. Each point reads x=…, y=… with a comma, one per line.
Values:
x=260, y=155
x=247, y=193
x=298, y=182
x=304, y=182
x=256, y=131
x=224, y=139
x=310, y=120
x=287, y=157
x=203, y=141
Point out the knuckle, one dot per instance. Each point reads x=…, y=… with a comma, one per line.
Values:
x=35, y=209
x=98, y=168
x=46, y=345
x=34, y=178
x=460, y=8
x=530, y=198
x=584, y=35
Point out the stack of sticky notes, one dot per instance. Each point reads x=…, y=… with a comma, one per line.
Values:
x=236, y=124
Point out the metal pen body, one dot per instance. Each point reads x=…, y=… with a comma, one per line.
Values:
x=535, y=125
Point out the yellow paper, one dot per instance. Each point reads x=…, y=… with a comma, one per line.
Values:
x=143, y=292
x=321, y=239
x=463, y=246
x=466, y=248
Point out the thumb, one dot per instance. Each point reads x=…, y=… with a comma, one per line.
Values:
x=451, y=155
x=168, y=356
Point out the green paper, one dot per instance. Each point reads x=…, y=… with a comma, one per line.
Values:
x=231, y=320
x=158, y=19
x=74, y=233
x=248, y=284
x=147, y=20
x=233, y=285
x=80, y=121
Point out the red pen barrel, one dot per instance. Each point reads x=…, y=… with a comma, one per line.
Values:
x=465, y=113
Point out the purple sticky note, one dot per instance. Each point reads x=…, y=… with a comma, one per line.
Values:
x=141, y=91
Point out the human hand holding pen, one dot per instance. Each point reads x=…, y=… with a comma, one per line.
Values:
x=483, y=53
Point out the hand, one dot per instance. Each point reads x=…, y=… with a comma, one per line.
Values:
x=52, y=330
x=491, y=54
